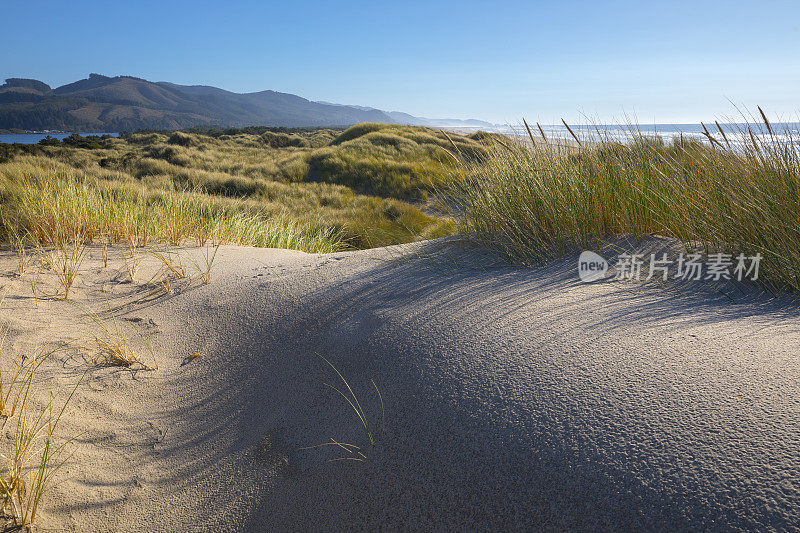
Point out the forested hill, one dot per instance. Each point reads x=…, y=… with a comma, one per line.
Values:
x=124, y=103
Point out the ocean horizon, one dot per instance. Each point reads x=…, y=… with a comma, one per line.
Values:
x=734, y=131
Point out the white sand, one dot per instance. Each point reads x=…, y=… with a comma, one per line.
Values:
x=515, y=398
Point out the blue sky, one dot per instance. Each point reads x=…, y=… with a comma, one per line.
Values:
x=653, y=61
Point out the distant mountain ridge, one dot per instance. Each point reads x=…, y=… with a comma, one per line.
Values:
x=127, y=103
x=405, y=119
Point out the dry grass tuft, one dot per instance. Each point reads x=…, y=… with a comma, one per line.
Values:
x=130, y=261
x=7, y=386
x=66, y=260
x=113, y=345
x=172, y=264
x=206, y=264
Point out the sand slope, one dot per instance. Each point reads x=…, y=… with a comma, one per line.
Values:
x=515, y=398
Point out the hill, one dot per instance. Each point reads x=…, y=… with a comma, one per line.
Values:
x=126, y=103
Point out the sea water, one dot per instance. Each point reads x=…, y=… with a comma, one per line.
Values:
x=33, y=138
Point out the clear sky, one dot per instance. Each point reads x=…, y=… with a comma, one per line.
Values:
x=666, y=61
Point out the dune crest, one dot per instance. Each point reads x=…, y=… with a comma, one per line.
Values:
x=514, y=398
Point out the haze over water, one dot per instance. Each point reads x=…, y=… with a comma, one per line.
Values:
x=626, y=132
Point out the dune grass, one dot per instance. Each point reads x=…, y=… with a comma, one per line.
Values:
x=56, y=206
x=735, y=195
x=114, y=347
x=371, y=429
x=255, y=189
x=34, y=452
x=352, y=400
x=8, y=403
x=205, y=265
x=393, y=161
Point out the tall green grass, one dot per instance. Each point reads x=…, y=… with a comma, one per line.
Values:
x=61, y=206
x=535, y=199
x=254, y=189
x=392, y=161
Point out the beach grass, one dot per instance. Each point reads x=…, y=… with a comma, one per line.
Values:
x=35, y=453
x=57, y=206
x=537, y=198
x=372, y=429
x=393, y=161
x=270, y=189
x=114, y=347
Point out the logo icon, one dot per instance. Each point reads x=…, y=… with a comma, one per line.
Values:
x=591, y=266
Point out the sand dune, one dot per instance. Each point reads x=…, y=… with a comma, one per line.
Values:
x=514, y=398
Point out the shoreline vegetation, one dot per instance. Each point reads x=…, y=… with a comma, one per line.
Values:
x=143, y=200
x=321, y=190
x=317, y=190
x=534, y=199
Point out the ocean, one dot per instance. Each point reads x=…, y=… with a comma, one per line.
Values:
x=735, y=133
x=33, y=138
